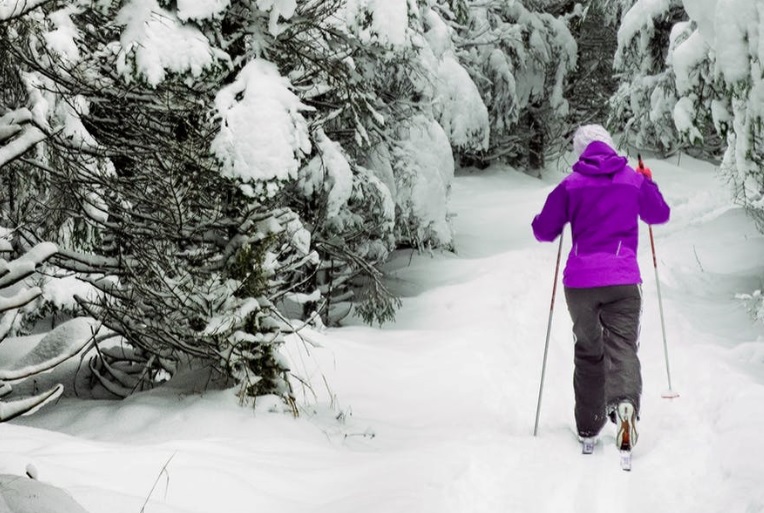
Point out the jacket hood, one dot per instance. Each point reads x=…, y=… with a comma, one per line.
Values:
x=599, y=159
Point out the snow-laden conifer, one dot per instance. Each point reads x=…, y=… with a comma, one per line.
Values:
x=643, y=106
x=519, y=56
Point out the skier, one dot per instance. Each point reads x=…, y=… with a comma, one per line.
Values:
x=602, y=199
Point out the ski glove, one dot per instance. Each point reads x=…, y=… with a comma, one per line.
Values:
x=643, y=170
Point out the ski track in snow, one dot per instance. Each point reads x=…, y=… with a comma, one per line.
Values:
x=438, y=408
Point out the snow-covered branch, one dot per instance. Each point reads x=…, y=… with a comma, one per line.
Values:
x=59, y=345
x=18, y=269
x=86, y=263
x=18, y=134
x=12, y=409
x=21, y=298
x=11, y=123
x=28, y=137
x=14, y=8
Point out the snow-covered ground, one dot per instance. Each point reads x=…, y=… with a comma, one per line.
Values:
x=435, y=412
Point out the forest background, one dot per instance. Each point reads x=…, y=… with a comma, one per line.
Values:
x=184, y=184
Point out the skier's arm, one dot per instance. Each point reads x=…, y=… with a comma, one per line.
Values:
x=652, y=207
x=550, y=222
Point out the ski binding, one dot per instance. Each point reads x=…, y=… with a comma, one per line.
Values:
x=587, y=445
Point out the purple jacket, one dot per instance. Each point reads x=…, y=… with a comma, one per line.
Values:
x=602, y=200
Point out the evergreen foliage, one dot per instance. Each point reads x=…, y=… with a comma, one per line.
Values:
x=691, y=78
x=593, y=82
x=520, y=59
x=186, y=263
x=214, y=174
x=644, y=102
x=192, y=248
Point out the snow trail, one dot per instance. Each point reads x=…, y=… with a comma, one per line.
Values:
x=487, y=351
x=435, y=412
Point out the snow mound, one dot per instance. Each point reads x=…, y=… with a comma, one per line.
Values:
x=23, y=495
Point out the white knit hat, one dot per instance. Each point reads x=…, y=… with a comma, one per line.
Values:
x=587, y=134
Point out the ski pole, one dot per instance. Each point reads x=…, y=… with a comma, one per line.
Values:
x=669, y=394
x=548, y=331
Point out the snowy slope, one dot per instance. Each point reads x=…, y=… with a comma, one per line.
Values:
x=435, y=412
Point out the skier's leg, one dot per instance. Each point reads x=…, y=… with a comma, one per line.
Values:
x=620, y=315
x=589, y=373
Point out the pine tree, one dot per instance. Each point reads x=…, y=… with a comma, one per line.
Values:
x=20, y=191
x=592, y=83
x=643, y=105
x=195, y=232
x=188, y=259
x=697, y=87
x=719, y=69
x=520, y=56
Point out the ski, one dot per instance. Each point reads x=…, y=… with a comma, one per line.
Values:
x=627, y=432
x=587, y=445
x=625, y=460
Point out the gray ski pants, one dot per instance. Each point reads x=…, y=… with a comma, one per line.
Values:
x=607, y=369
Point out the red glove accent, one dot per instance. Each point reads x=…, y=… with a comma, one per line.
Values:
x=644, y=170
